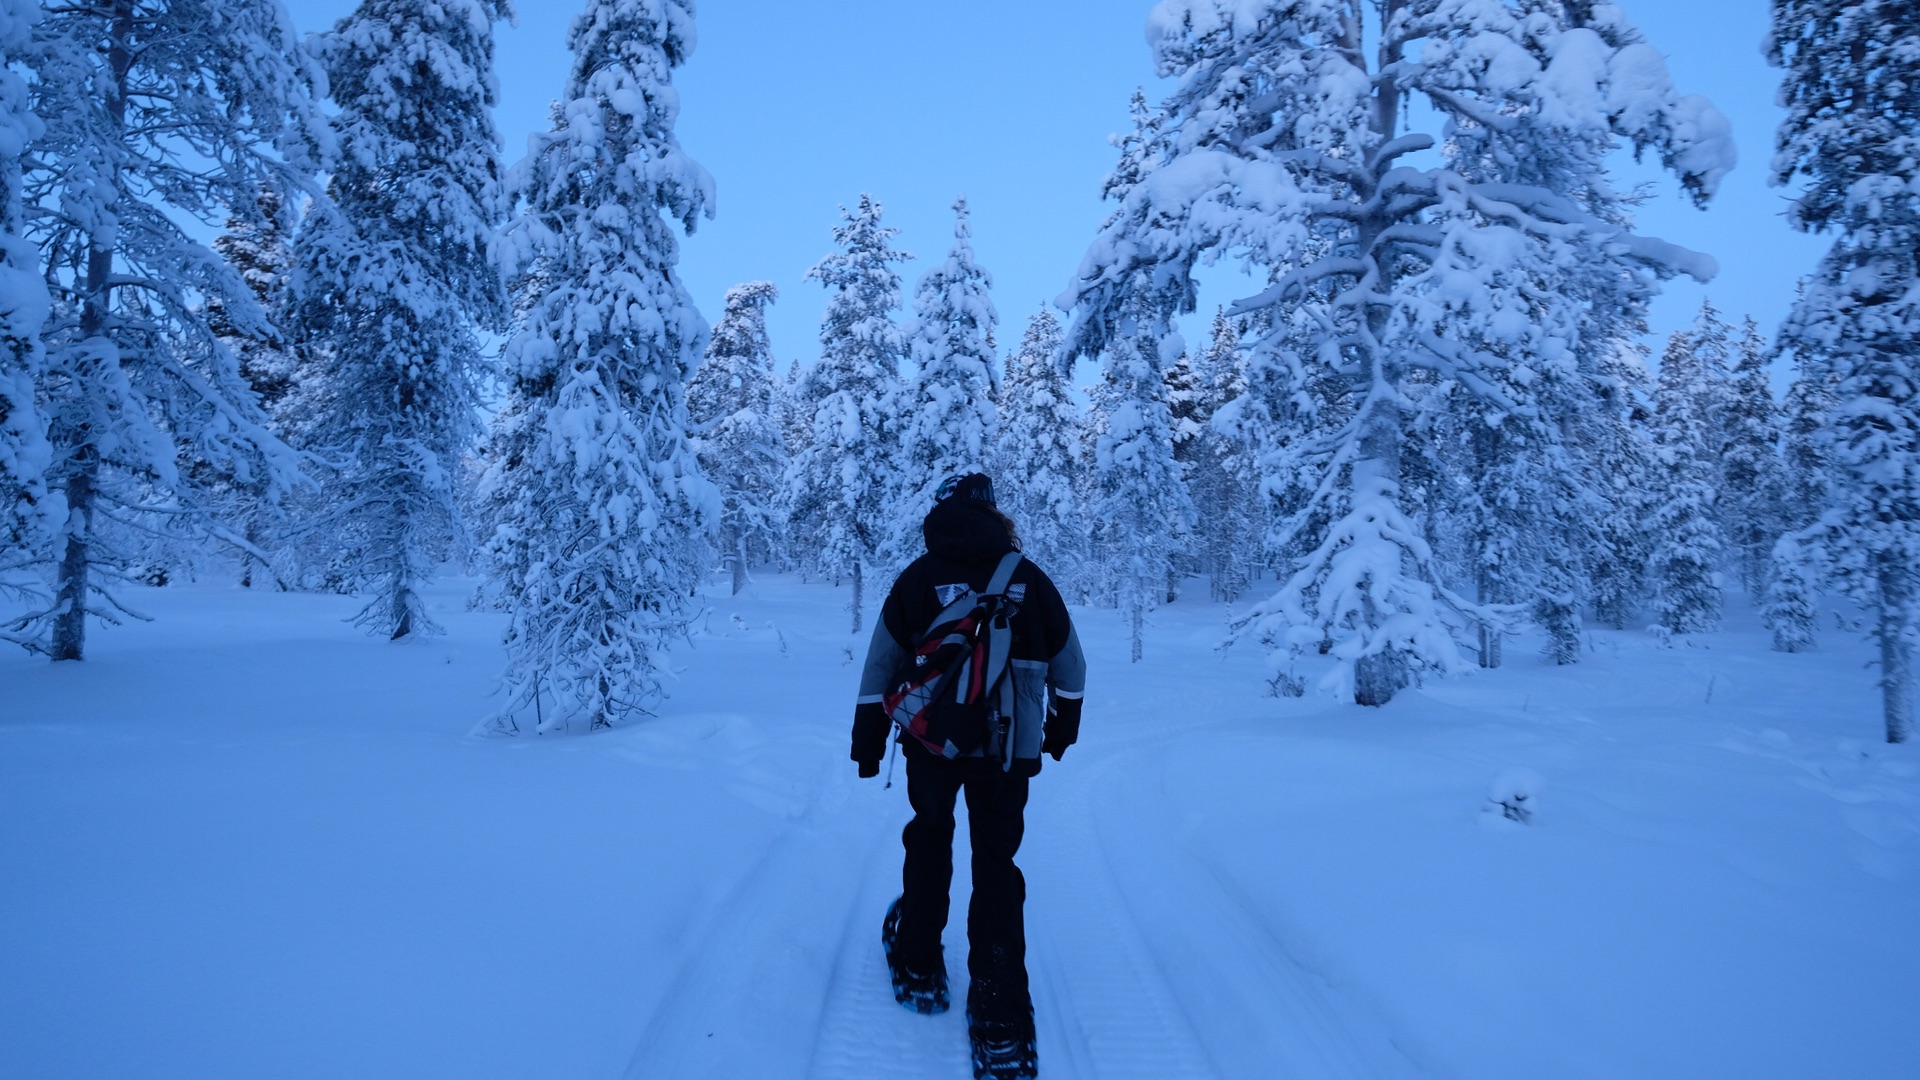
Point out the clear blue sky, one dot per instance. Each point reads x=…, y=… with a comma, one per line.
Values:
x=797, y=108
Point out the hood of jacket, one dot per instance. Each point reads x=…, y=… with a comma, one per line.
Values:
x=965, y=531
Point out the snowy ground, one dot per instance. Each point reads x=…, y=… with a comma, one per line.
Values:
x=245, y=841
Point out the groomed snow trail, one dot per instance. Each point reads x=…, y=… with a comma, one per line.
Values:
x=1258, y=1010
x=1124, y=929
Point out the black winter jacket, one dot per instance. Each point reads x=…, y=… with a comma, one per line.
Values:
x=965, y=541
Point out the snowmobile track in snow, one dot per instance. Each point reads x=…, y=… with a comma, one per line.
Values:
x=1284, y=1019
x=1102, y=1004
x=776, y=929
x=1123, y=941
x=864, y=1033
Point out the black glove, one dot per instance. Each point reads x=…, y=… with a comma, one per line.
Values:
x=869, y=769
x=1063, y=727
x=870, y=730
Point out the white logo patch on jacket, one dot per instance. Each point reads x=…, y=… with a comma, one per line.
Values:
x=949, y=593
x=1017, y=592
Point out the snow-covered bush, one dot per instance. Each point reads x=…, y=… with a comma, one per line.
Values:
x=1515, y=796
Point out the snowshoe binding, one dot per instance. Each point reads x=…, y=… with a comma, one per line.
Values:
x=1003, y=1050
x=924, y=992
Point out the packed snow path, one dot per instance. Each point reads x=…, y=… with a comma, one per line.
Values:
x=1125, y=941
x=245, y=840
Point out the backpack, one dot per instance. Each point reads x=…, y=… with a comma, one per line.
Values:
x=952, y=693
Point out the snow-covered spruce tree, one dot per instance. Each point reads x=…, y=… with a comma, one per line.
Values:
x=1749, y=427
x=1283, y=423
x=1792, y=605
x=598, y=542
x=841, y=488
x=1852, y=135
x=1037, y=461
x=795, y=411
x=1806, y=464
x=259, y=249
x=1189, y=409
x=796, y=415
x=1683, y=525
x=157, y=112
x=1231, y=521
x=271, y=365
x=946, y=409
x=1710, y=345
x=1804, y=490
x=1618, y=453
x=1513, y=512
x=1286, y=146
x=393, y=280
x=732, y=404
x=1141, y=503
x=27, y=514
x=1143, y=513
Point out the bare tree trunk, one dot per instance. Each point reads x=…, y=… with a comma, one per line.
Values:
x=402, y=599
x=1896, y=655
x=81, y=451
x=1489, y=635
x=856, y=596
x=739, y=559
x=402, y=609
x=70, y=625
x=1138, y=619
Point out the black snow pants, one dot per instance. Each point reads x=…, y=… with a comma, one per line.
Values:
x=996, y=924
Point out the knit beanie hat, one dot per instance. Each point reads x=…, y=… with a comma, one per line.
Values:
x=968, y=486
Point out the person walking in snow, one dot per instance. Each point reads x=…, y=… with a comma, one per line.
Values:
x=967, y=538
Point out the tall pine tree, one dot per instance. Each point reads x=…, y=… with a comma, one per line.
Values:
x=1144, y=511
x=394, y=281
x=1231, y=517
x=1750, y=462
x=602, y=505
x=1852, y=136
x=158, y=113
x=732, y=404
x=1794, y=570
x=841, y=487
x=947, y=408
x=1038, y=465
x=1286, y=145
x=1683, y=526
x=27, y=514
x=1620, y=471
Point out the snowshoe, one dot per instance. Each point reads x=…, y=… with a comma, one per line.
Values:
x=1003, y=1050
x=924, y=992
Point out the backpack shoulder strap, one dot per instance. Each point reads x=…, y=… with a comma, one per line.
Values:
x=1002, y=574
x=961, y=604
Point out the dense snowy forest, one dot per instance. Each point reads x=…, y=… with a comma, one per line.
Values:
x=274, y=306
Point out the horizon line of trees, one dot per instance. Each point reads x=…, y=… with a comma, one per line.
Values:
x=1433, y=425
